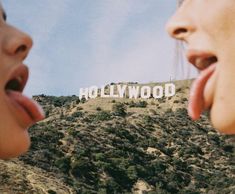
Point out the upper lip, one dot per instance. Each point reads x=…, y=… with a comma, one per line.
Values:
x=20, y=75
x=201, y=59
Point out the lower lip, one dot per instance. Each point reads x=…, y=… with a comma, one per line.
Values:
x=26, y=110
x=197, y=101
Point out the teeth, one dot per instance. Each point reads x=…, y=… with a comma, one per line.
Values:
x=199, y=63
x=19, y=79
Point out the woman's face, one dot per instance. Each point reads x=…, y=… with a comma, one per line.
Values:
x=17, y=112
x=208, y=29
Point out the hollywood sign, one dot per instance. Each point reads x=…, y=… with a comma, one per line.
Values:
x=127, y=91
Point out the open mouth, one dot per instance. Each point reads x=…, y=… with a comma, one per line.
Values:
x=16, y=84
x=26, y=110
x=206, y=64
x=201, y=60
x=17, y=79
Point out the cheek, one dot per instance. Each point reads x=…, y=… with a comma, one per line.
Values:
x=219, y=23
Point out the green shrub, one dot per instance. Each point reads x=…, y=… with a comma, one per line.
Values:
x=103, y=116
x=119, y=109
x=99, y=156
x=139, y=104
x=142, y=104
x=148, y=120
x=63, y=164
x=51, y=192
x=77, y=114
x=70, y=119
x=47, y=113
x=132, y=173
x=83, y=100
x=98, y=108
x=79, y=108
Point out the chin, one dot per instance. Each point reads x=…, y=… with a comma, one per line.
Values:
x=224, y=122
x=16, y=147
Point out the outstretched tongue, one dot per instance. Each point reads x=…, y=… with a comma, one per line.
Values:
x=30, y=106
x=196, y=100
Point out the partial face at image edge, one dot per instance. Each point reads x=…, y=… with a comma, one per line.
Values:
x=18, y=112
x=208, y=28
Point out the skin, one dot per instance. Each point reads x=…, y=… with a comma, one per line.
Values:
x=14, y=138
x=209, y=25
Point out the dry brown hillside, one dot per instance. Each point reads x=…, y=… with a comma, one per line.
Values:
x=114, y=145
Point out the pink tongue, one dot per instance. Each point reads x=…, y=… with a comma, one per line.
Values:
x=31, y=107
x=196, y=100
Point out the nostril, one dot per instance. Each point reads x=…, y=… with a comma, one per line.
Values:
x=20, y=49
x=179, y=31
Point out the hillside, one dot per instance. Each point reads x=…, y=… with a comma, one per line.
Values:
x=115, y=145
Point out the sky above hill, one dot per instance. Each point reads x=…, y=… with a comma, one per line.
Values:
x=80, y=43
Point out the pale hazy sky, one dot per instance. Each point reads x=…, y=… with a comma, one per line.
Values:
x=79, y=43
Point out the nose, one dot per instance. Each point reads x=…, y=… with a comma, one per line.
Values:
x=17, y=43
x=180, y=26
